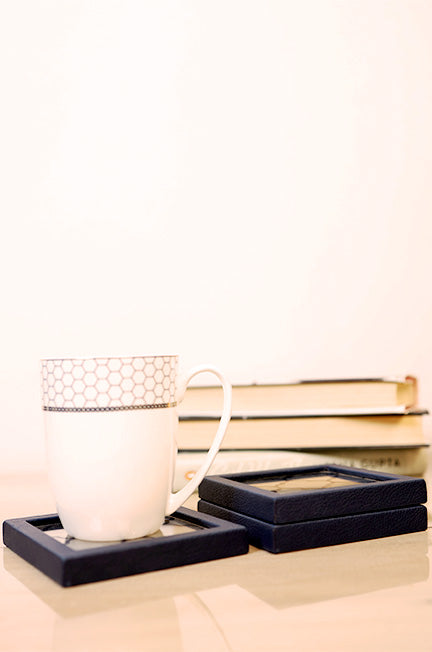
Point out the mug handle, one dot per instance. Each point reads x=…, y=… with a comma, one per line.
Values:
x=176, y=500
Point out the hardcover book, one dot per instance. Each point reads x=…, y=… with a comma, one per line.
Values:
x=307, y=394
x=411, y=460
x=353, y=428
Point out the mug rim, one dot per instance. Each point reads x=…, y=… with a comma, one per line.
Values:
x=108, y=357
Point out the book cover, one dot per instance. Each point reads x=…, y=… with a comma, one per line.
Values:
x=283, y=430
x=405, y=461
x=307, y=394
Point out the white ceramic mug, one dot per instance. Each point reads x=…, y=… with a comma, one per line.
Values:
x=111, y=426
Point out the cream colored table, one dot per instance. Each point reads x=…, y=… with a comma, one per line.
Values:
x=373, y=595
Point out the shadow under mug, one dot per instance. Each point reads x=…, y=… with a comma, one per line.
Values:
x=110, y=426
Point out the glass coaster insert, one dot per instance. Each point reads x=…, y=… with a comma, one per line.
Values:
x=171, y=527
x=308, y=483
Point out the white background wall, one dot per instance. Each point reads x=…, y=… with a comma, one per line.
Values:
x=245, y=182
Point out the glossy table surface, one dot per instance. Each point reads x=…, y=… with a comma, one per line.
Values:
x=372, y=595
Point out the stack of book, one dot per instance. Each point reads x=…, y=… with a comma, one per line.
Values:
x=371, y=423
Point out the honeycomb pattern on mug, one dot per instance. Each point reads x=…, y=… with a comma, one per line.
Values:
x=109, y=383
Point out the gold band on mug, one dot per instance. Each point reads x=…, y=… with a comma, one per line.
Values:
x=155, y=406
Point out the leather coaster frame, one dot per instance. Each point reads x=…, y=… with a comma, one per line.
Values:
x=268, y=495
x=42, y=542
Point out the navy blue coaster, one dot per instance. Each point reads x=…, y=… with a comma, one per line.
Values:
x=324, y=532
x=186, y=538
x=313, y=492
